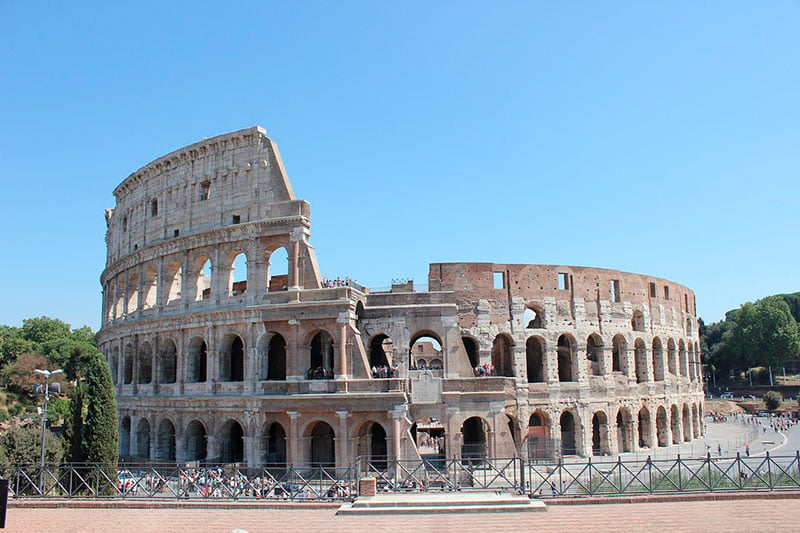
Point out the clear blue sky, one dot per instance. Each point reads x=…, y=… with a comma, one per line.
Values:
x=660, y=138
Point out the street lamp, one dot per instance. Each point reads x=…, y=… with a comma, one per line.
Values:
x=46, y=374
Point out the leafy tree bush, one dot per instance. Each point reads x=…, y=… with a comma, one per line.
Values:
x=772, y=400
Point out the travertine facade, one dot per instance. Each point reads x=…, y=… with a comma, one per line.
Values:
x=220, y=351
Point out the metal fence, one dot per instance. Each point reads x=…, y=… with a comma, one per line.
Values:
x=325, y=483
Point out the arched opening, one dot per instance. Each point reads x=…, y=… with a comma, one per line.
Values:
x=594, y=355
x=640, y=360
x=566, y=358
x=567, y=424
x=534, y=359
x=125, y=436
x=278, y=270
x=380, y=352
x=600, y=445
x=637, y=322
x=671, y=357
x=321, y=360
x=675, y=424
x=274, y=448
x=143, y=439
x=473, y=440
x=165, y=443
x=687, y=424
x=145, y=363
x=372, y=445
x=237, y=281
x=232, y=443
x=276, y=358
x=662, y=433
x=425, y=346
x=619, y=350
x=232, y=360
x=196, y=440
x=197, y=362
x=539, y=443
x=168, y=362
x=127, y=362
x=133, y=294
x=503, y=356
x=322, y=445
x=534, y=316
x=174, y=279
x=645, y=429
x=202, y=282
x=624, y=431
x=658, y=360
x=149, y=288
x=472, y=351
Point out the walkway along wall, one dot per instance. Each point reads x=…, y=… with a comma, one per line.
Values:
x=226, y=344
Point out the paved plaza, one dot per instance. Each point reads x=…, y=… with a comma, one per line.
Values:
x=748, y=515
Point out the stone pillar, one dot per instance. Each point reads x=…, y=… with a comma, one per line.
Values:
x=341, y=370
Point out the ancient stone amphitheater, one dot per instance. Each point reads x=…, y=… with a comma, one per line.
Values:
x=227, y=344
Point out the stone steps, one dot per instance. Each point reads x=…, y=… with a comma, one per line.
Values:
x=445, y=502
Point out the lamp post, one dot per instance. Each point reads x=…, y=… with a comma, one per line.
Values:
x=46, y=374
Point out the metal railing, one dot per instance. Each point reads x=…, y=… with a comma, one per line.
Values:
x=325, y=483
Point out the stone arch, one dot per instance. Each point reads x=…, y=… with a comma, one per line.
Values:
x=658, y=360
x=594, y=355
x=197, y=361
x=624, y=430
x=471, y=347
x=150, y=288
x=273, y=447
x=637, y=321
x=322, y=444
x=645, y=428
x=600, y=433
x=145, y=366
x=372, y=444
x=534, y=316
x=662, y=427
x=277, y=269
x=167, y=361
x=672, y=362
x=675, y=424
x=133, y=294
x=503, y=355
x=534, y=358
x=231, y=442
x=568, y=426
x=174, y=277
x=195, y=441
x=321, y=355
x=381, y=349
x=232, y=358
x=686, y=417
x=165, y=441
x=640, y=360
x=619, y=351
x=127, y=364
x=201, y=277
x=236, y=284
x=125, y=436
x=143, y=439
x=539, y=440
x=567, y=370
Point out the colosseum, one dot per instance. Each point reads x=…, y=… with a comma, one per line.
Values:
x=228, y=345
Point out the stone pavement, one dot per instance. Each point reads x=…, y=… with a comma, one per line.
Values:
x=746, y=515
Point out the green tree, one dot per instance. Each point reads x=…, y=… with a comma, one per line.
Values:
x=772, y=400
x=101, y=439
x=765, y=334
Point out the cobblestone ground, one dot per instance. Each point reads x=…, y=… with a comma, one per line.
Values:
x=748, y=515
